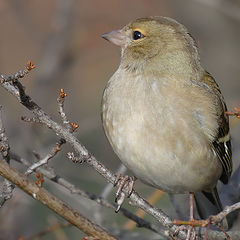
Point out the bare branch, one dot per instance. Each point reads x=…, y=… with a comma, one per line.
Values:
x=76, y=159
x=50, y=174
x=17, y=90
x=31, y=120
x=63, y=115
x=72, y=127
x=235, y=112
x=228, y=209
x=45, y=160
x=216, y=235
x=4, y=145
x=17, y=75
x=61, y=208
x=6, y=187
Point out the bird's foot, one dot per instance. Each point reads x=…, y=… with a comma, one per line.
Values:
x=189, y=227
x=190, y=231
x=123, y=181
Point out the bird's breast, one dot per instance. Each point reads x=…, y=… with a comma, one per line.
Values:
x=156, y=136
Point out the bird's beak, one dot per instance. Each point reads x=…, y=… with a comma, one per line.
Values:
x=116, y=37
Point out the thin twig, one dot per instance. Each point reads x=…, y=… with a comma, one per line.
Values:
x=216, y=235
x=235, y=112
x=17, y=75
x=220, y=216
x=61, y=100
x=72, y=127
x=45, y=160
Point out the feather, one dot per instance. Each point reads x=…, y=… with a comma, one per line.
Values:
x=222, y=142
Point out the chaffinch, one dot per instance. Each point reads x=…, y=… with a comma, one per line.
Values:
x=164, y=115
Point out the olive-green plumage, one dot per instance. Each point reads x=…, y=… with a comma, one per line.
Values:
x=163, y=114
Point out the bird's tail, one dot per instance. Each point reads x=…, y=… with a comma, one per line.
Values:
x=208, y=203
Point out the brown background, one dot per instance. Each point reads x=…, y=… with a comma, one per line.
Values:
x=63, y=39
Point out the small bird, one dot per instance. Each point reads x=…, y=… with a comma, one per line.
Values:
x=164, y=115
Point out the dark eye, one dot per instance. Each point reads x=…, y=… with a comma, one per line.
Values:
x=137, y=35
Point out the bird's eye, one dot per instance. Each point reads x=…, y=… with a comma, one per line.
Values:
x=137, y=35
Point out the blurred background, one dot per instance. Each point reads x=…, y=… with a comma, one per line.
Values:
x=63, y=39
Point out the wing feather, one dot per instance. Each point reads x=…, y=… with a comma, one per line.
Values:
x=222, y=142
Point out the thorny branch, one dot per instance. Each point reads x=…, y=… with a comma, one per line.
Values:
x=17, y=90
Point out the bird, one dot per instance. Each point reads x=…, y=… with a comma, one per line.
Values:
x=164, y=115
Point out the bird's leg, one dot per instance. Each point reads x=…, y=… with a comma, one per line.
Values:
x=191, y=231
x=125, y=181
x=192, y=222
x=189, y=225
x=191, y=203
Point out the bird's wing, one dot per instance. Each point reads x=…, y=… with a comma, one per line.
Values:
x=222, y=142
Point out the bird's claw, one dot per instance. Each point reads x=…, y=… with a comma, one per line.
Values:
x=125, y=181
x=190, y=231
x=119, y=201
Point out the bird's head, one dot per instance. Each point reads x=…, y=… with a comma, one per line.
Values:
x=151, y=40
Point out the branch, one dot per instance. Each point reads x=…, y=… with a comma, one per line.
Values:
x=17, y=75
x=17, y=90
x=51, y=175
x=61, y=208
x=216, y=235
x=45, y=160
x=72, y=127
x=235, y=112
x=6, y=187
x=228, y=209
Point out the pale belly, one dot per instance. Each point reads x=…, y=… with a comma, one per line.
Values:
x=161, y=145
x=166, y=157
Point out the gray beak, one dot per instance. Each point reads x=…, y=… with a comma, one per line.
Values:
x=116, y=37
